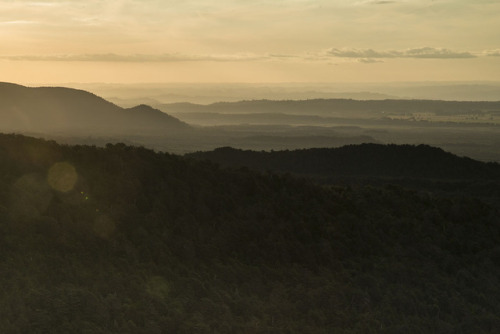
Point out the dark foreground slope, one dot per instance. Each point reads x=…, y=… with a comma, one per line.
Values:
x=72, y=111
x=125, y=240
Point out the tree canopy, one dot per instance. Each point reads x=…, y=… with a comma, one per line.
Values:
x=122, y=239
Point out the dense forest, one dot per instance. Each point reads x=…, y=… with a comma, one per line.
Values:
x=122, y=239
x=418, y=161
x=420, y=167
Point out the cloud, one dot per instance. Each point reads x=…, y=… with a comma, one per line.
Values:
x=425, y=52
x=381, y=2
x=18, y=22
x=137, y=58
x=436, y=53
x=492, y=53
x=356, y=55
x=369, y=60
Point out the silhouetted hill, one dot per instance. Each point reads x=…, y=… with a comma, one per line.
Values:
x=149, y=115
x=369, y=160
x=125, y=240
x=45, y=109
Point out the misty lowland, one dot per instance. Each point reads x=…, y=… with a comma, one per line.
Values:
x=368, y=213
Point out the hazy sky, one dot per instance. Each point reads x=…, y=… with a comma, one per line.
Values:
x=249, y=41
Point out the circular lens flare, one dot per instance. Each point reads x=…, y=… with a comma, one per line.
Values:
x=62, y=177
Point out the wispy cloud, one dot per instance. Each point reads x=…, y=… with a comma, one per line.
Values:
x=426, y=52
x=436, y=53
x=493, y=53
x=18, y=22
x=380, y=2
x=350, y=55
x=356, y=53
x=136, y=58
x=369, y=60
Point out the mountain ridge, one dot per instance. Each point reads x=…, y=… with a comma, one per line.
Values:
x=42, y=109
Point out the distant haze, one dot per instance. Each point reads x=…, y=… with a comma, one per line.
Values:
x=128, y=95
x=77, y=116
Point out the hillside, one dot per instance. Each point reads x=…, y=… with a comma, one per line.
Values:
x=365, y=160
x=419, y=167
x=125, y=240
x=57, y=109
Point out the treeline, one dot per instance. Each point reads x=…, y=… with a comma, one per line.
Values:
x=123, y=239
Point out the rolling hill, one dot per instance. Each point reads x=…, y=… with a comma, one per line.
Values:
x=57, y=109
x=419, y=167
x=365, y=160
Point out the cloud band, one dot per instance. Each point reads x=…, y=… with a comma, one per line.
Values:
x=426, y=52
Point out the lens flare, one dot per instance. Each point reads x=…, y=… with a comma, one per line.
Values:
x=62, y=177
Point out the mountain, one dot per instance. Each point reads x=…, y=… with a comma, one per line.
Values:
x=56, y=109
x=122, y=239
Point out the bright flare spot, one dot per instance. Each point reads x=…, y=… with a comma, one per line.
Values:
x=62, y=177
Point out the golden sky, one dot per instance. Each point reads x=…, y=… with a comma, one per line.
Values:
x=121, y=41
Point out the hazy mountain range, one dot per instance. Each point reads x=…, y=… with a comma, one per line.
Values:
x=339, y=107
x=206, y=93
x=76, y=116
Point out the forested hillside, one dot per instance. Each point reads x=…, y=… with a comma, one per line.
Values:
x=420, y=167
x=126, y=240
x=377, y=160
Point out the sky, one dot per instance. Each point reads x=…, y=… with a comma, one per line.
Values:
x=131, y=41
